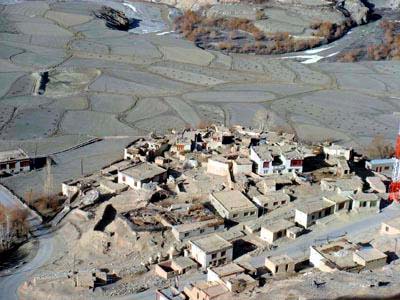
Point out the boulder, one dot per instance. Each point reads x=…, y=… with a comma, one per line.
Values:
x=357, y=10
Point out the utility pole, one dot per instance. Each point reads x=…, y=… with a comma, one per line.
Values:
x=48, y=184
x=81, y=166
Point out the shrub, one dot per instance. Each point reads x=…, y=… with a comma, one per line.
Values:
x=260, y=14
x=225, y=46
x=351, y=56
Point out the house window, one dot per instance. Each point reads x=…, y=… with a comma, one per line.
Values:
x=373, y=204
x=223, y=253
x=24, y=163
x=363, y=204
x=201, y=230
x=312, y=217
x=283, y=202
x=186, y=233
x=214, y=256
x=216, y=227
x=12, y=165
x=252, y=213
x=3, y=166
x=296, y=162
x=341, y=206
x=266, y=164
x=275, y=203
x=123, y=178
x=235, y=215
x=387, y=228
x=246, y=214
x=386, y=168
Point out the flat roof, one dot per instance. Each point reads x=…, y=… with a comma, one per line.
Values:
x=143, y=171
x=339, y=252
x=280, y=259
x=196, y=225
x=233, y=200
x=184, y=262
x=171, y=293
x=227, y=270
x=271, y=197
x=278, y=225
x=263, y=151
x=313, y=206
x=211, y=243
x=395, y=222
x=364, y=197
x=370, y=254
x=243, y=161
x=346, y=184
x=12, y=155
x=212, y=289
x=336, y=198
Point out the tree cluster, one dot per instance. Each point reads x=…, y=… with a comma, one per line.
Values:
x=210, y=31
x=13, y=226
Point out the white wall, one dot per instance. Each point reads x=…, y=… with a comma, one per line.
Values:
x=128, y=181
x=217, y=168
x=301, y=218
x=180, y=236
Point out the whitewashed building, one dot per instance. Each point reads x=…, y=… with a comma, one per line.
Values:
x=14, y=161
x=211, y=250
x=138, y=175
x=274, y=159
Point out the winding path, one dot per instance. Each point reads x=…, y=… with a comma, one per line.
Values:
x=9, y=283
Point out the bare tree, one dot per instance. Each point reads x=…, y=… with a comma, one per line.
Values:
x=379, y=147
x=261, y=119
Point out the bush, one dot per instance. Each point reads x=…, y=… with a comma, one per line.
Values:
x=351, y=56
x=379, y=148
x=260, y=15
x=13, y=225
x=225, y=46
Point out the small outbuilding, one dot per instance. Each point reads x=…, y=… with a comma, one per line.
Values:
x=370, y=258
x=281, y=264
x=275, y=230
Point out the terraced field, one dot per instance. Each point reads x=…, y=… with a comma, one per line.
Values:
x=114, y=84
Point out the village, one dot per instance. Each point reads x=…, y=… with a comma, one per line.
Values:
x=219, y=212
